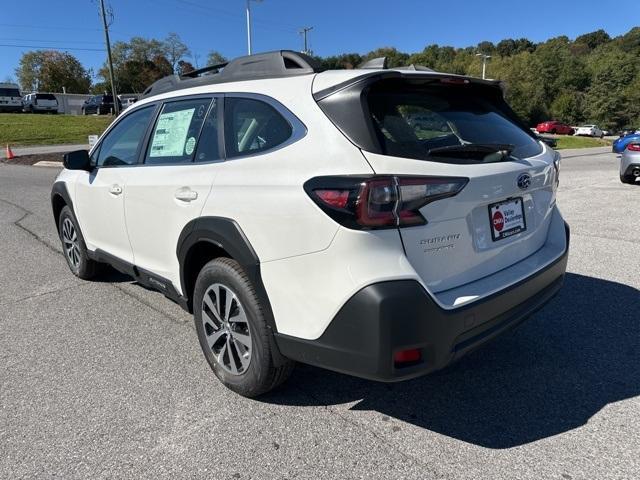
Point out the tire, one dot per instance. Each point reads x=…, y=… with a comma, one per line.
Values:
x=247, y=371
x=630, y=179
x=73, y=246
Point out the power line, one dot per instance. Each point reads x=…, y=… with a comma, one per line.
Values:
x=53, y=47
x=47, y=27
x=45, y=40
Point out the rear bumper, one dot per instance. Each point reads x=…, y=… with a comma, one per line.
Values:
x=387, y=317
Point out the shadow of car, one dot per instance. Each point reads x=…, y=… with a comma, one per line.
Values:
x=549, y=376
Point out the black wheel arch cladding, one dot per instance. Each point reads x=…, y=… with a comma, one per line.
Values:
x=225, y=234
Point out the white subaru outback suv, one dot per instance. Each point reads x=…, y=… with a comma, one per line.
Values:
x=301, y=215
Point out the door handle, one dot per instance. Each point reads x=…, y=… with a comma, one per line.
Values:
x=115, y=189
x=186, y=194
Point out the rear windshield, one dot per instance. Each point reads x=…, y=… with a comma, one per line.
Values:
x=45, y=96
x=107, y=98
x=9, y=92
x=412, y=119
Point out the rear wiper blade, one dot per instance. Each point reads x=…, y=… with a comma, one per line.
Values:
x=471, y=148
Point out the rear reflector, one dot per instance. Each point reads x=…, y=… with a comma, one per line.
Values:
x=375, y=202
x=407, y=356
x=634, y=147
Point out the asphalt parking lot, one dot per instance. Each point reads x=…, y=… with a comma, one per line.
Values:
x=106, y=379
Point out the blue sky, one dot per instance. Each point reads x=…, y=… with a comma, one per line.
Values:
x=339, y=26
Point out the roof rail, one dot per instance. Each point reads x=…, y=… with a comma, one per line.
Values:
x=281, y=63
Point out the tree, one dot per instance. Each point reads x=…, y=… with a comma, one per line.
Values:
x=51, y=71
x=394, y=57
x=568, y=106
x=346, y=61
x=594, y=39
x=606, y=98
x=175, y=50
x=215, y=58
x=137, y=64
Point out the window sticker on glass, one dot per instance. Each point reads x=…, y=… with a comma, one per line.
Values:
x=171, y=133
x=191, y=143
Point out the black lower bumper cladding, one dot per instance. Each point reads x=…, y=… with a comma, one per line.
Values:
x=387, y=317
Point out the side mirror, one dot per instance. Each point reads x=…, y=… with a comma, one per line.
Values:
x=78, y=160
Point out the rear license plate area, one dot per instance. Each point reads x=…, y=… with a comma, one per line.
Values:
x=507, y=218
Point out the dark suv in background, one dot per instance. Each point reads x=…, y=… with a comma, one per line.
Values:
x=99, y=104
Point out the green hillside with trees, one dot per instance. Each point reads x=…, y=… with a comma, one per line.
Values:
x=591, y=79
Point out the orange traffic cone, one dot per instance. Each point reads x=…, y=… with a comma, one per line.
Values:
x=10, y=155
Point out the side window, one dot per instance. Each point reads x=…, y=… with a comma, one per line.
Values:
x=121, y=144
x=208, y=149
x=176, y=131
x=252, y=126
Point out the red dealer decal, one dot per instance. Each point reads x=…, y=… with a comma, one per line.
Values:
x=498, y=221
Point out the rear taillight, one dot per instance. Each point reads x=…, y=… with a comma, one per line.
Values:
x=634, y=147
x=375, y=202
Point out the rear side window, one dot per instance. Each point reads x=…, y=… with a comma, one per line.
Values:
x=253, y=126
x=121, y=144
x=176, y=131
x=208, y=149
x=413, y=119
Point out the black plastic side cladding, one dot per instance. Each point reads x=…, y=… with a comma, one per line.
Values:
x=59, y=192
x=227, y=235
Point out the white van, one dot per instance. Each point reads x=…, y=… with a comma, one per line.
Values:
x=40, y=102
x=10, y=98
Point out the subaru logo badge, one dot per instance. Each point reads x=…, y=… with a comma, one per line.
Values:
x=524, y=181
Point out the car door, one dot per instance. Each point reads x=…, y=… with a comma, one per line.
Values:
x=99, y=197
x=171, y=186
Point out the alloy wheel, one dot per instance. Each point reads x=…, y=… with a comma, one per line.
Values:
x=70, y=242
x=226, y=329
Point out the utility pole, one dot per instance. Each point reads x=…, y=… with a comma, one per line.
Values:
x=484, y=63
x=249, y=49
x=304, y=32
x=116, y=107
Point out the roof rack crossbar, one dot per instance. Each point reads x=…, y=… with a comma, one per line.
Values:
x=200, y=71
x=281, y=63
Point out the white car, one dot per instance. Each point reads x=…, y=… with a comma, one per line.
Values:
x=589, y=131
x=10, y=98
x=299, y=217
x=40, y=103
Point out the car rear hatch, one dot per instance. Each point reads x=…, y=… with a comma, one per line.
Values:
x=502, y=213
x=46, y=100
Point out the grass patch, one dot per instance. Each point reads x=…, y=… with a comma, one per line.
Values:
x=581, y=142
x=41, y=129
